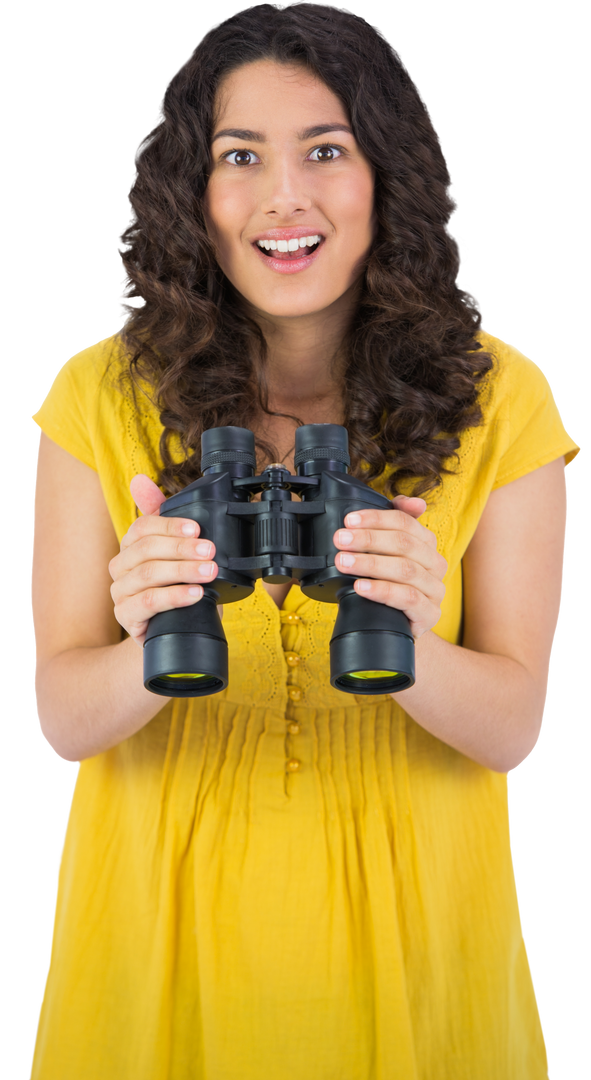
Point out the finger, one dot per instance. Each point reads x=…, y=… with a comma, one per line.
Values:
x=161, y=574
x=421, y=613
x=148, y=591
x=158, y=540
x=386, y=568
x=146, y=494
x=150, y=525
x=394, y=543
x=386, y=521
x=133, y=609
x=410, y=505
x=135, y=612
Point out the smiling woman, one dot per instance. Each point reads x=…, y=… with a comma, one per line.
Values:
x=282, y=173
x=284, y=880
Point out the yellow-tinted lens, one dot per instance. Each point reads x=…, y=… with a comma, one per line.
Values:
x=373, y=674
x=188, y=676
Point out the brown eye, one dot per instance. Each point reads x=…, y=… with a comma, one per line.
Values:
x=241, y=157
x=325, y=153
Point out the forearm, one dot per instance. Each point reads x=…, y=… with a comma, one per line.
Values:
x=91, y=699
x=486, y=706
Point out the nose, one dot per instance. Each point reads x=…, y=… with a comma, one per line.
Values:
x=285, y=191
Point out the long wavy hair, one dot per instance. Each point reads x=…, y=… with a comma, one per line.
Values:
x=412, y=363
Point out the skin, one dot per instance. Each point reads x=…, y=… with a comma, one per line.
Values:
x=277, y=183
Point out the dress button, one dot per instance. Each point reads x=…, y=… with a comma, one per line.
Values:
x=292, y=659
x=293, y=728
x=293, y=765
x=292, y=618
x=294, y=693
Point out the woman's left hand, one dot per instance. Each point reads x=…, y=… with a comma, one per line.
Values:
x=395, y=560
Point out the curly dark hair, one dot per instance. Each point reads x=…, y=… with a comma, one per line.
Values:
x=413, y=364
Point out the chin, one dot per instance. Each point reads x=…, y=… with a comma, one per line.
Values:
x=290, y=309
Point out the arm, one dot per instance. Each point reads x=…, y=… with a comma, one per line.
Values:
x=486, y=697
x=89, y=686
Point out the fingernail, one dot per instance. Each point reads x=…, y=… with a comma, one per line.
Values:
x=188, y=529
x=207, y=569
x=364, y=586
x=346, y=559
x=353, y=520
x=203, y=548
x=196, y=590
x=345, y=537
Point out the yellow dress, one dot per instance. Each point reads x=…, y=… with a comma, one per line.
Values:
x=223, y=918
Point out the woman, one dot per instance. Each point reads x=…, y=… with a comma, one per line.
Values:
x=282, y=880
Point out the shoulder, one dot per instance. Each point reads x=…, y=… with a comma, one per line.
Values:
x=513, y=382
x=103, y=363
x=519, y=412
x=101, y=356
x=95, y=391
x=106, y=419
x=98, y=368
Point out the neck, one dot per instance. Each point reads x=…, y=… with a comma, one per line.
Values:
x=305, y=360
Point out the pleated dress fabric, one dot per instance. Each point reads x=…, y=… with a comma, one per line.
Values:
x=282, y=881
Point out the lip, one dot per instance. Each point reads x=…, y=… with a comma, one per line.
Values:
x=287, y=266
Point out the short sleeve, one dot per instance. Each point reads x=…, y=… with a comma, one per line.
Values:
x=534, y=434
x=99, y=414
x=68, y=414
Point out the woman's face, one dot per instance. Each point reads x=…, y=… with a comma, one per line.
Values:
x=289, y=202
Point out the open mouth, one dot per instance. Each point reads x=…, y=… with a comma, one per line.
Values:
x=299, y=253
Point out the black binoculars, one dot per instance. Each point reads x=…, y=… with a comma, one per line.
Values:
x=185, y=651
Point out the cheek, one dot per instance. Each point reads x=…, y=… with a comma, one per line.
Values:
x=359, y=209
x=219, y=213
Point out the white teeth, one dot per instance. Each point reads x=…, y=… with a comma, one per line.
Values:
x=289, y=245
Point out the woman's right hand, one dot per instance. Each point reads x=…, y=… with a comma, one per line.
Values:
x=162, y=563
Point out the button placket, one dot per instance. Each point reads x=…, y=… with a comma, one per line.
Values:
x=292, y=626
x=291, y=637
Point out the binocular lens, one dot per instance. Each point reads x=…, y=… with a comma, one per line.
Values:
x=375, y=674
x=202, y=684
x=382, y=682
x=187, y=675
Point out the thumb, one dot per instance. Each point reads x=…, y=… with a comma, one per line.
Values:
x=410, y=505
x=147, y=496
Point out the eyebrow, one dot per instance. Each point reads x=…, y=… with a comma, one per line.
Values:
x=257, y=136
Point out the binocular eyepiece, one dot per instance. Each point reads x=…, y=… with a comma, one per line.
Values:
x=185, y=651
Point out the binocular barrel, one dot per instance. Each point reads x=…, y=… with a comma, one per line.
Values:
x=278, y=539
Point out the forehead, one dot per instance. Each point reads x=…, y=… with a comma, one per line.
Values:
x=266, y=95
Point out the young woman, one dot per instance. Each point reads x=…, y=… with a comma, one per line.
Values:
x=282, y=880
